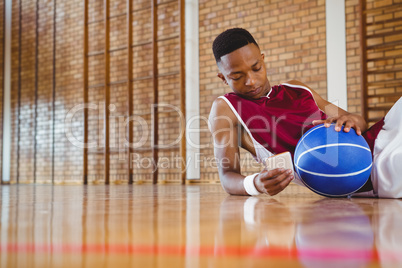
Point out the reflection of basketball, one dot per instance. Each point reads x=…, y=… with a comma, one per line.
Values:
x=332, y=163
x=342, y=238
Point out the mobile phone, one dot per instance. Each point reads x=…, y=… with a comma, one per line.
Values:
x=282, y=160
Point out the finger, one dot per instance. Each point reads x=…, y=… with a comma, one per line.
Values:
x=358, y=130
x=283, y=177
x=281, y=185
x=274, y=181
x=317, y=122
x=329, y=121
x=339, y=123
x=348, y=126
x=285, y=182
x=271, y=174
x=277, y=185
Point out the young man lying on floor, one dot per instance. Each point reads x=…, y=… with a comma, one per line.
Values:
x=267, y=120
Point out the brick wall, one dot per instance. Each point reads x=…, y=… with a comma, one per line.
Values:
x=14, y=91
x=68, y=68
x=384, y=68
x=45, y=92
x=33, y=76
x=27, y=81
x=353, y=55
x=386, y=58
x=59, y=62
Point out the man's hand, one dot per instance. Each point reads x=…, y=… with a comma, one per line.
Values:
x=273, y=181
x=349, y=120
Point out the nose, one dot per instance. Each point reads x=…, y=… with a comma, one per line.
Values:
x=251, y=79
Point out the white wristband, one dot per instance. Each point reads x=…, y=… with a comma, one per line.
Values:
x=249, y=186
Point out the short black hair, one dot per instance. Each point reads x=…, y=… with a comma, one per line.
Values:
x=230, y=40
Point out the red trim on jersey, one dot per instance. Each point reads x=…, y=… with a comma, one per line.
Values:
x=371, y=134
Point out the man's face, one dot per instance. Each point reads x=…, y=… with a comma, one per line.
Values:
x=244, y=71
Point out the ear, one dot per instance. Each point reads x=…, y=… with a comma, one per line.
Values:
x=222, y=77
x=262, y=55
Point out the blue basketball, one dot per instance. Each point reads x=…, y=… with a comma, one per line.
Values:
x=332, y=163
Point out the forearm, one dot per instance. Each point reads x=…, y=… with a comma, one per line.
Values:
x=232, y=182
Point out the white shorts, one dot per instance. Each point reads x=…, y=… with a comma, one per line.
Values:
x=386, y=174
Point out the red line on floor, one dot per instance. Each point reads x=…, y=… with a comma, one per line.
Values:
x=218, y=251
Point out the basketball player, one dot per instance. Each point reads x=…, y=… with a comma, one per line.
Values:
x=266, y=120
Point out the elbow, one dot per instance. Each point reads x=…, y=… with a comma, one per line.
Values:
x=226, y=188
x=232, y=186
x=224, y=184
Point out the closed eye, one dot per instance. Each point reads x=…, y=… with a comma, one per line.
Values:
x=235, y=78
x=257, y=69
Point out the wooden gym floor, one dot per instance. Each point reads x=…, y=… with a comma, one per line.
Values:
x=193, y=226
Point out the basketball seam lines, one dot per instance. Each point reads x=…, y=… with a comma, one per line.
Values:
x=335, y=175
x=333, y=195
x=332, y=145
x=308, y=133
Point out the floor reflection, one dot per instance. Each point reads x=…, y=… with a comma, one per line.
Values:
x=193, y=226
x=325, y=233
x=334, y=233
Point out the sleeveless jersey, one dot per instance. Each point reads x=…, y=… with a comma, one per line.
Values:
x=277, y=121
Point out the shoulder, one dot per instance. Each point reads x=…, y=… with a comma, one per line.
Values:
x=317, y=98
x=296, y=83
x=221, y=106
x=299, y=85
x=221, y=115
